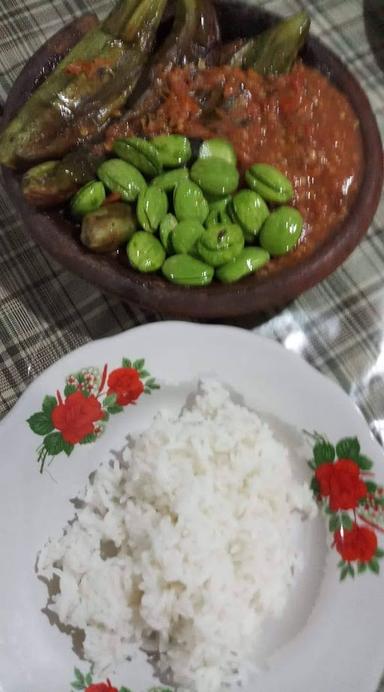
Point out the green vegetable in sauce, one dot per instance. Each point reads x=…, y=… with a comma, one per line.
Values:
x=186, y=235
x=45, y=185
x=188, y=271
x=167, y=181
x=249, y=210
x=218, y=148
x=274, y=51
x=88, y=198
x=152, y=206
x=189, y=202
x=167, y=226
x=107, y=228
x=119, y=176
x=269, y=182
x=248, y=261
x=215, y=176
x=174, y=150
x=140, y=153
x=145, y=252
x=221, y=243
x=281, y=231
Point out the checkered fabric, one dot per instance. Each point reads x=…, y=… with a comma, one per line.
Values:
x=46, y=311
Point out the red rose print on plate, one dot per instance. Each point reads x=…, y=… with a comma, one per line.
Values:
x=357, y=543
x=126, y=384
x=90, y=397
x=343, y=486
x=75, y=416
x=101, y=687
x=341, y=482
x=85, y=683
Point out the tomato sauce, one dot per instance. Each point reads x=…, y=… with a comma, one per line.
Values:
x=298, y=122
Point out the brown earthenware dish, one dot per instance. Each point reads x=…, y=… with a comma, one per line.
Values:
x=253, y=294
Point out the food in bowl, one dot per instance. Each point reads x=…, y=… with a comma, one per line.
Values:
x=186, y=547
x=198, y=240
x=254, y=95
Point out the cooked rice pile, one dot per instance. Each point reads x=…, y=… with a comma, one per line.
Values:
x=202, y=517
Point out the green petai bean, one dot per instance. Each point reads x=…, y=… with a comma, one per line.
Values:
x=215, y=176
x=89, y=198
x=145, y=252
x=249, y=260
x=269, y=182
x=140, y=153
x=219, y=244
x=281, y=231
x=189, y=202
x=167, y=181
x=249, y=210
x=152, y=206
x=119, y=176
x=185, y=236
x=218, y=212
x=173, y=150
x=167, y=226
x=218, y=148
x=188, y=271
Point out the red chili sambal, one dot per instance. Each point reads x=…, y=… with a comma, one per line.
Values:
x=298, y=122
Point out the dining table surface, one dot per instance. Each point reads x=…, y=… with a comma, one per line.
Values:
x=337, y=326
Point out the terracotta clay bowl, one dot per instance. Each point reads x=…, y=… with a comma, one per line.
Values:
x=253, y=294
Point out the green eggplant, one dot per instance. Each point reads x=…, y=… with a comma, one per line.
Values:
x=52, y=183
x=195, y=31
x=80, y=165
x=274, y=51
x=19, y=132
x=44, y=187
x=72, y=105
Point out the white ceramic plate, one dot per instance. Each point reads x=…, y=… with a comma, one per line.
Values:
x=329, y=640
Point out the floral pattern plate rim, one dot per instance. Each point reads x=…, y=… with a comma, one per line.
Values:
x=338, y=639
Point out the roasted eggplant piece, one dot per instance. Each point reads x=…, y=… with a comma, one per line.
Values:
x=274, y=51
x=90, y=85
x=195, y=31
x=54, y=182
x=44, y=186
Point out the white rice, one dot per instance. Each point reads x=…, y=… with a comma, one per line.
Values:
x=202, y=514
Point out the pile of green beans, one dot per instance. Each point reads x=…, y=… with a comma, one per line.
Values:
x=194, y=223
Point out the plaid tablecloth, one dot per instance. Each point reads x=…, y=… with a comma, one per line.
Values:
x=45, y=311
